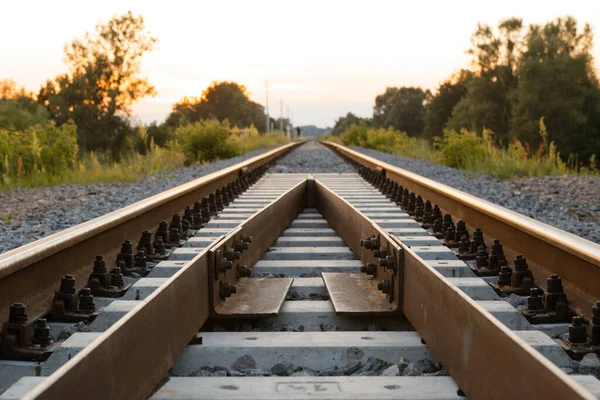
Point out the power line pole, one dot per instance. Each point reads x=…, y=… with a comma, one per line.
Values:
x=281, y=116
x=268, y=119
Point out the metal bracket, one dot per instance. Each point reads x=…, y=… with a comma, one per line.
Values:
x=233, y=294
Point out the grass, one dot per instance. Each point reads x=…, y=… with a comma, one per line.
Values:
x=93, y=168
x=469, y=151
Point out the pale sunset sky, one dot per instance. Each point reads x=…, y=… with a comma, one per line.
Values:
x=323, y=58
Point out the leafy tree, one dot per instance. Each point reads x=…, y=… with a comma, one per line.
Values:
x=557, y=81
x=159, y=134
x=487, y=103
x=102, y=83
x=220, y=101
x=343, y=123
x=400, y=108
x=18, y=108
x=439, y=107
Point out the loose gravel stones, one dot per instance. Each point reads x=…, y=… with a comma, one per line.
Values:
x=571, y=203
x=246, y=366
x=311, y=158
x=27, y=215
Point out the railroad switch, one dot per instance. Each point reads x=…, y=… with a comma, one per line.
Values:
x=23, y=339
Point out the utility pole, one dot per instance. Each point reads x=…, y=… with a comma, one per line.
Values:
x=281, y=116
x=288, y=128
x=268, y=119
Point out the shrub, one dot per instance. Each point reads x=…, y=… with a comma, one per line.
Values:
x=464, y=150
x=472, y=152
x=356, y=135
x=38, y=149
x=206, y=141
x=250, y=139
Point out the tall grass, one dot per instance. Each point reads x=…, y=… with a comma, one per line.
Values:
x=469, y=151
x=48, y=155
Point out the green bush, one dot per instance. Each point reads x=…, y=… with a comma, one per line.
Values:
x=37, y=149
x=356, y=135
x=464, y=150
x=387, y=140
x=470, y=151
x=21, y=113
x=206, y=140
x=250, y=139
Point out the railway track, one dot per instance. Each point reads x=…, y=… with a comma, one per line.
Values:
x=374, y=284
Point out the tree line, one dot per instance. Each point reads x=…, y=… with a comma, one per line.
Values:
x=518, y=75
x=102, y=82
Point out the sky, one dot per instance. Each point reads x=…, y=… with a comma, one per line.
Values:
x=322, y=58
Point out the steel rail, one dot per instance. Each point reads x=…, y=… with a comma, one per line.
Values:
x=548, y=250
x=469, y=341
x=31, y=274
x=471, y=344
x=131, y=358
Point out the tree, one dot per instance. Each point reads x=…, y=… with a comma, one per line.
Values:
x=159, y=134
x=400, y=108
x=487, y=103
x=102, y=83
x=343, y=123
x=439, y=106
x=220, y=101
x=18, y=109
x=557, y=81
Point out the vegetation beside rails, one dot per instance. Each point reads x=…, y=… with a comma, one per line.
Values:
x=45, y=155
x=469, y=151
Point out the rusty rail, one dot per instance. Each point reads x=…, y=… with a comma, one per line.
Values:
x=147, y=340
x=469, y=341
x=31, y=274
x=548, y=250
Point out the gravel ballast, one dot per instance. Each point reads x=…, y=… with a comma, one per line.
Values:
x=27, y=215
x=311, y=158
x=571, y=203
